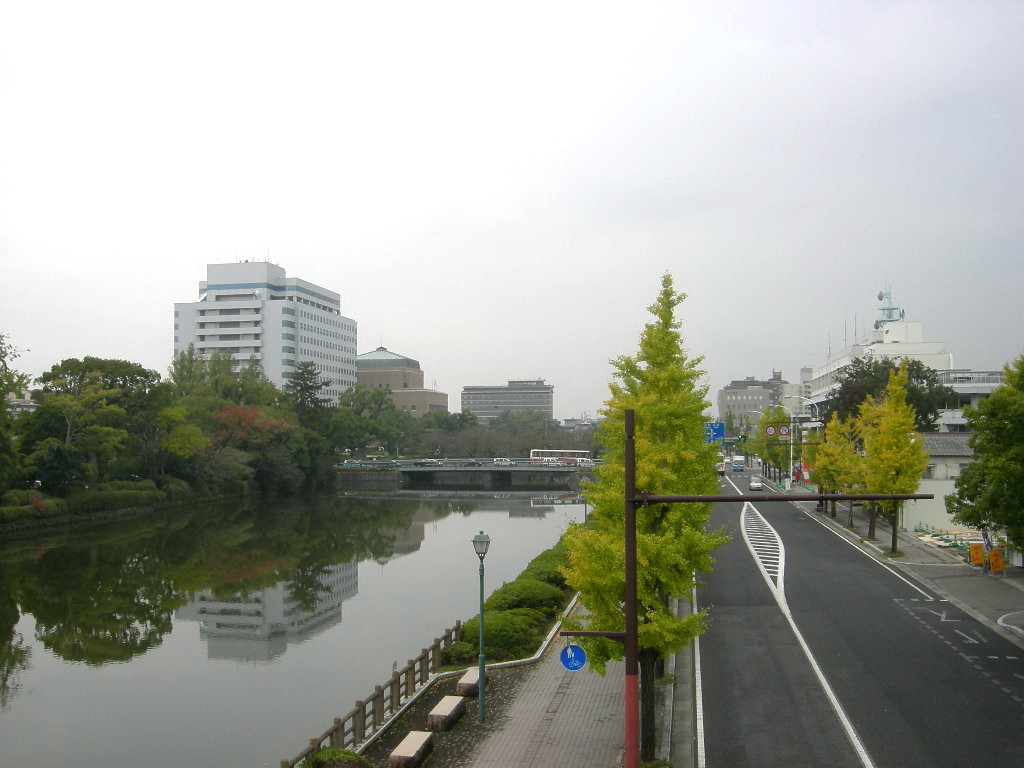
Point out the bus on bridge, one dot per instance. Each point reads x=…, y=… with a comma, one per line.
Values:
x=566, y=456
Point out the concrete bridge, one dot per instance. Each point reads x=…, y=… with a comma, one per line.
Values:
x=462, y=474
x=492, y=477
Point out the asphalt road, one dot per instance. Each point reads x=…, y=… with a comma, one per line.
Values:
x=822, y=656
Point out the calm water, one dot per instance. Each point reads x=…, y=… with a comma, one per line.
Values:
x=229, y=635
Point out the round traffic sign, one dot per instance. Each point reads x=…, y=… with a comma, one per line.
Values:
x=573, y=657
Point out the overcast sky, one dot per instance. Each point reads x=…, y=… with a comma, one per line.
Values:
x=496, y=189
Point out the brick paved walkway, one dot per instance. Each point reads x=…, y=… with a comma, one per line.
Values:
x=558, y=719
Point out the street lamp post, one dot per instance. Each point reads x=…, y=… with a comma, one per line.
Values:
x=808, y=400
x=480, y=544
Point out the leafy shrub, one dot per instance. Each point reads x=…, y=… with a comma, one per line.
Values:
x=544, y=567
x=86, y=502
x=178, y=490
x=527, y=592
x=128, y=485
x=10, y=513
x=15, y=498
x=40, y=508
x=334, y=757
x=507, y=635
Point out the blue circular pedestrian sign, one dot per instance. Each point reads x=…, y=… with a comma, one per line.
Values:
x=573, y=657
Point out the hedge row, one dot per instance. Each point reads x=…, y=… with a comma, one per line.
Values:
x=39, y=509
x=518, y=614
x=31, y=504
x=87, y=502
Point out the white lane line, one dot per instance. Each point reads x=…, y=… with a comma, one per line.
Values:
x=894, y=572
x=780, y=599
x=698, y=695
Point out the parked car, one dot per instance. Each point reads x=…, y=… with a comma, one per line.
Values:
x=755, y=484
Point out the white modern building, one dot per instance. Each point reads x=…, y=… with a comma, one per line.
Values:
x=253, y=310
x=892, y=337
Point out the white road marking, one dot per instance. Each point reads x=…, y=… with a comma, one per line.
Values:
x=750, y=517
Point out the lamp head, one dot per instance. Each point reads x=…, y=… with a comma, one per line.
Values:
x=480, y=544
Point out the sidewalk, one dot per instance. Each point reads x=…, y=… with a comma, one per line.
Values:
x=558, y=719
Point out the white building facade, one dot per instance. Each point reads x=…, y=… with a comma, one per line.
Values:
x=253, y=310
x=891, y=338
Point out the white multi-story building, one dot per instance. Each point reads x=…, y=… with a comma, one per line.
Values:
x=892, y=337
x=252, y=310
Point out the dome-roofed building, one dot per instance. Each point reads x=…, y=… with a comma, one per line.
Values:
x=403, y=376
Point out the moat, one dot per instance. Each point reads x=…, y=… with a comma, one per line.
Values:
x=227, y=635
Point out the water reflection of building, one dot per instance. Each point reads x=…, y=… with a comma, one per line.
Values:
x=260, y=625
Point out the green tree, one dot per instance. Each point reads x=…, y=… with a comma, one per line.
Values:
x=664, y=387
x=188, y=372
x=894, y=455
x=837, y=465
x=11, y=382
x=91, y=417
x=305, y=386
x=990, y=491
x=864, y=377
x=72, y=375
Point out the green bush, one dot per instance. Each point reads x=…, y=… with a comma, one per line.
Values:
x=87, y=502
x=15, y=498
x=178, y=490
x=507, y=635
x=334, y=757
x=10, y=513
x=527, y=592
x=51, y=508
x=128, y=485
x=517, y=615
x=544, y=567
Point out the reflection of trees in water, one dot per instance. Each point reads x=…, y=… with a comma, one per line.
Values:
x=99, y=605
x=111, y=596
x=14, y=654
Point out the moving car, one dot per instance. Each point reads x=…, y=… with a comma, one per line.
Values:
x=502, y=462
x=755, y=484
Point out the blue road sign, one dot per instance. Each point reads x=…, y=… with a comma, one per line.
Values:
x=573, y=657
x=714, y=432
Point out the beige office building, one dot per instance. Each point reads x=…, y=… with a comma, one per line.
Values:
x=403, y=376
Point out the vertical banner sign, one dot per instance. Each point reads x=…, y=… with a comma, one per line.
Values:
x=977, y=554
x=995, y=561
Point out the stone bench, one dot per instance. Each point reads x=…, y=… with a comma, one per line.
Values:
x=448, y=710
x=468, y=684
x=412, y=749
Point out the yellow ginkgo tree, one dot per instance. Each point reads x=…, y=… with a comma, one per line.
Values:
x=894, y=454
